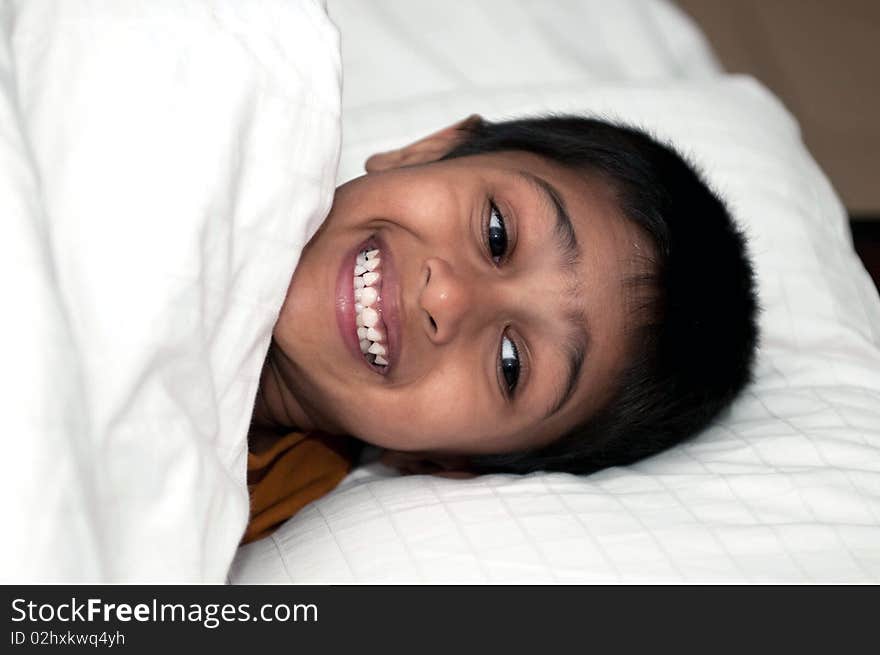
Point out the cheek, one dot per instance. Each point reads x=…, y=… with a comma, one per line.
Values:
x=418, y=201
x=444, y=410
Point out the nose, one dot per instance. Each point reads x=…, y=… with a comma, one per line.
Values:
x=446, y=300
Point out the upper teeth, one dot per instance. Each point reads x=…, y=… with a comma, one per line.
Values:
x=367, y=296
x=367, y=283
x=369, y=317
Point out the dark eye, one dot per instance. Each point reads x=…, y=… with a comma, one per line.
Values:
x=496, y=237
x=509, y=363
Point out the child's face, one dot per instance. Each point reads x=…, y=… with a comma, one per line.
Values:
x=451, y=313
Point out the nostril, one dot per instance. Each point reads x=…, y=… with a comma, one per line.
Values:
x=433, y=322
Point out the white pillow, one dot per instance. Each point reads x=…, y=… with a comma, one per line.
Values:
x=784, y=487
x=161, y=165
x=395, y=51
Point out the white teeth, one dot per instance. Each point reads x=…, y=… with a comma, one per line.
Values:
x=369, y=317
x=368, y=296
x=366, y=316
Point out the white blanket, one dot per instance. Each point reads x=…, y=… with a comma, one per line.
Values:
x=161, y=165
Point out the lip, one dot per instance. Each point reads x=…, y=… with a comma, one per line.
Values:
x=388, y=305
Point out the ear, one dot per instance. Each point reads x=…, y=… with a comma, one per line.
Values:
x=421, y=464
x=425, y=150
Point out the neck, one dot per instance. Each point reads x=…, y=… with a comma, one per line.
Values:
x=277, y=409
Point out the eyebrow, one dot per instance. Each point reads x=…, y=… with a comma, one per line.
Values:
x=564, y=228
x=577, y=343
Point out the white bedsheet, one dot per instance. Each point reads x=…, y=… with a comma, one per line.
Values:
x=162, y=163
x=784, y=488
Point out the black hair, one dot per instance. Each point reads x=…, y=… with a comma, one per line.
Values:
x=693, y=347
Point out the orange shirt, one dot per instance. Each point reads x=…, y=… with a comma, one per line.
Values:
x=292, y=472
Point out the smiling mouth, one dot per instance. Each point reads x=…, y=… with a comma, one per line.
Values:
x=371, y=329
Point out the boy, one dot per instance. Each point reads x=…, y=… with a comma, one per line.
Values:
x=554, y=293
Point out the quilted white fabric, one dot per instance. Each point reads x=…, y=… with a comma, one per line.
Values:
x=783, y=488
x=161, y=165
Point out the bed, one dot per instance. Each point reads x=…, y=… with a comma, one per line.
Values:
x=161, y=165
x=783, y=488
